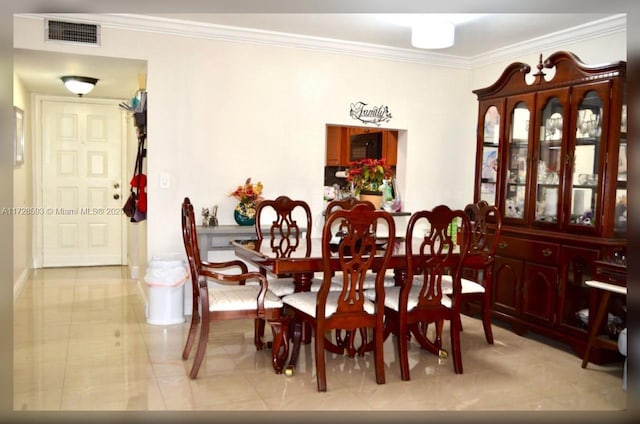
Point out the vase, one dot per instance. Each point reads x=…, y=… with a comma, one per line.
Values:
x=245, y=214
x=373, y=197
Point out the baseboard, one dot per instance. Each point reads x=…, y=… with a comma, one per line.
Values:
x=134, y=271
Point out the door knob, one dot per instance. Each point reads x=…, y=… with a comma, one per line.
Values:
x=116, y=196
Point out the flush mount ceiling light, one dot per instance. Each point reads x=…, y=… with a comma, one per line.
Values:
x=430, y=30
x=79, y=85
x=432, y=34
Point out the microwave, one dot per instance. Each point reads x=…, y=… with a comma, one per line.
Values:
x=368, y=145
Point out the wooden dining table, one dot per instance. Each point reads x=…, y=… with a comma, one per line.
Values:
x=302, y=266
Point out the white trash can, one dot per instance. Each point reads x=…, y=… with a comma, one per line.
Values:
x=165, y=295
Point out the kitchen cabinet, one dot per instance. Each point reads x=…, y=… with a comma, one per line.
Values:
x=339, y=147
x=551, y=154
x=390, y=147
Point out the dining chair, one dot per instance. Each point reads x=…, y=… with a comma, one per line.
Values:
x=477, y=279
x=421, y=298
x=347, y=309
x=369, y=283
x=348, y=203
x=345, y=203
x=228, y=297
x=285, y=236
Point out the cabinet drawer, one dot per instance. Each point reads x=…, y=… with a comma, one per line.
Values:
x=532, y=251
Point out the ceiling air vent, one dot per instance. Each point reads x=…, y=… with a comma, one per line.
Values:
x=72, y=32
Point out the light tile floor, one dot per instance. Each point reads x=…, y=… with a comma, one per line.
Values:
x=81, y=342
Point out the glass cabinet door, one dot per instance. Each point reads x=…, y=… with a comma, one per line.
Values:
x=620, y=217
x=584, y=181
x=490, y=161
x=550, y=161
x=517, y=152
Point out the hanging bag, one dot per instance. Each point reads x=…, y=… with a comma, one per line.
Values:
x=129, y=207
x=136, y=205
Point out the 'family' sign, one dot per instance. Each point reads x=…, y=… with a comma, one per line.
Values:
x=370, y=114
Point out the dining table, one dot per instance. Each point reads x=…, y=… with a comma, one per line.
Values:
x=302, y=266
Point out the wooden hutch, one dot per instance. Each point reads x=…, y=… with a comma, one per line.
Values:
x=551, y=154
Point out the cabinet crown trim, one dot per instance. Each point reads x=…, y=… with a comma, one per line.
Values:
x=569, y=70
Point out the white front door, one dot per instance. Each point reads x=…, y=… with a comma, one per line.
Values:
x=82, y=145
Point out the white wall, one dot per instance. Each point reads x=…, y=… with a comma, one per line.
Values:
x=237, y=110
x=220, y=112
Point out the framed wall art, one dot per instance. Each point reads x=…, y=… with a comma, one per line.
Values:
x=18, y=136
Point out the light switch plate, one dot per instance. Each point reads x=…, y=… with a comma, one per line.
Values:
x=165, y=180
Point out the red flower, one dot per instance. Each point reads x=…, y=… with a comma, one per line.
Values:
x=367, y=174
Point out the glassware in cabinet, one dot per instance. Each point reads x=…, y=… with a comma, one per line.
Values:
x=620, y=212
x=586, y=164
x=550, y=159
x=518, y=152
x=490, y=155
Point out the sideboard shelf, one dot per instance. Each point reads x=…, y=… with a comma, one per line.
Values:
x=221, y=236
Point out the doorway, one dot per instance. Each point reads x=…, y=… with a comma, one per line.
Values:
x=81, y=148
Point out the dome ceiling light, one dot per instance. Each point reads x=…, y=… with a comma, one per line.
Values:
x=79, y=85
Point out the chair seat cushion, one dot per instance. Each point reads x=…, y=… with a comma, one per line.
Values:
x=316, y=283
x=240, y=298
x=392, y=297
x=281, y=286
x=306, y=302
x=468, y=286
x=369, y=281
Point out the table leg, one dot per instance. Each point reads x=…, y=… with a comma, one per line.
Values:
x=302, y=281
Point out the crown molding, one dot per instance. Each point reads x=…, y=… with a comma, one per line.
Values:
x=145, y=23
x=607, y=26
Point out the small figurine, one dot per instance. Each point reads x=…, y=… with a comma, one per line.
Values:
x=205, y=217
x=213, y=220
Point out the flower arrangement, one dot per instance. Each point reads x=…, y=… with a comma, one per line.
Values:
x=249, y=196
x=248, y=193
x=367, y=175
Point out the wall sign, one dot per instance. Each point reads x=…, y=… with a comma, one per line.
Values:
x=370, y=114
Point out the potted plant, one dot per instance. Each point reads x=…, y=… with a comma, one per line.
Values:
x=367, y=176
x=249, y=196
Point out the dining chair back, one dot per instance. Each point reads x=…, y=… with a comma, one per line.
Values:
x=346, y=309
x=420, y=300
x=345, y=203
x=285, y=234
x=229, y=298
x=347, y=341
x=285, y=224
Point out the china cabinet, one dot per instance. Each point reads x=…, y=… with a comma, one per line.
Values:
x=551, y=154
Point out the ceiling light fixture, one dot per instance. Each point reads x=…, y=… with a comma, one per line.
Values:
x=432, y=34
x=79, y=85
